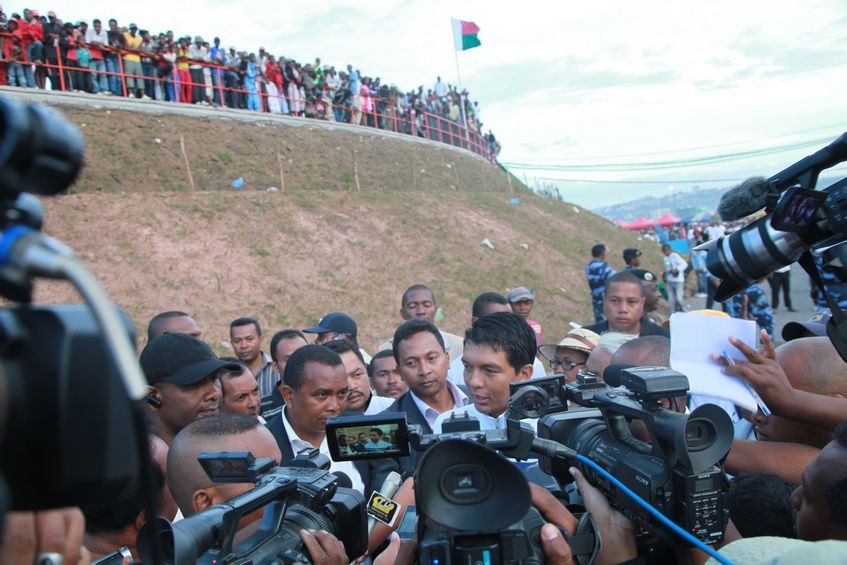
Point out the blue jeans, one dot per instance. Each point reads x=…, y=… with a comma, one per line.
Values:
x=217, y=79
x=114, y=79
x=17, y=77
x=338, y=113
x=149, y=72
x=98, y=75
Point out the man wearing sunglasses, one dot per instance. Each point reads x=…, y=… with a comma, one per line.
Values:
x=569, y=355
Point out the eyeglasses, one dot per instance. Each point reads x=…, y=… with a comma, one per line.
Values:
x=565, y=364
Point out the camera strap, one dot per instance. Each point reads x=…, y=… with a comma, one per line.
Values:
x=585, y=543
x=836, y=329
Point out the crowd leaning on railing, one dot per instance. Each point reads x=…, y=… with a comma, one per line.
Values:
x=112, y=60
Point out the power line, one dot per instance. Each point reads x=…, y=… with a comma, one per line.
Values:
x=839, y=126
x=664, y=181
x=672, y=164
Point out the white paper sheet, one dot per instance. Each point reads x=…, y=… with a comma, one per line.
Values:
x=694, y=337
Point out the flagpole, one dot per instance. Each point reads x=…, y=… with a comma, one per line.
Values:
x=461, y=101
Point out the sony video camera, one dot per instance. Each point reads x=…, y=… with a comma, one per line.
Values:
x=301, y=494
x=464, y=513
x=676, y=470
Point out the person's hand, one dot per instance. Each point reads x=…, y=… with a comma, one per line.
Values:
x=763, y=372
x=324, y=548
x=616, y=531
x=556, y=549
x=29, y=534
x=398, y=552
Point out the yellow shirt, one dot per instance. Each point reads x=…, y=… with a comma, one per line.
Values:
x=181, y=54
x=132, y=43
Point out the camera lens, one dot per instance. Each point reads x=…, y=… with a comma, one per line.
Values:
x=750, y=254
x=699, y=434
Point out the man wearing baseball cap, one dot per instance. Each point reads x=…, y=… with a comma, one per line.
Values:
x=337, y=325
x=814, y=327
x=182, y=374
x=570, y=354
x=521, y=300
x=632, y=258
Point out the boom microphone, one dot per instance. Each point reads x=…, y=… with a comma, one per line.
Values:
x=747, y=198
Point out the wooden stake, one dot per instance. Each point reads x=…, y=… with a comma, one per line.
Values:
x=414, y=180
x=281, y=175
x=509, y=178
x=356, y=172
x=192, y=188
x=456, y=174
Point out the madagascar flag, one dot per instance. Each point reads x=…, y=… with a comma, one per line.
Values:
x=464, y=35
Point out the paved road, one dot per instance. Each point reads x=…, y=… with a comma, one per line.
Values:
x=800, y=300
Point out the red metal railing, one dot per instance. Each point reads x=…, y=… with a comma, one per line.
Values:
x=399, y=120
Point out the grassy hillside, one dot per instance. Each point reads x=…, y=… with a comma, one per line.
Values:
x=322, y=245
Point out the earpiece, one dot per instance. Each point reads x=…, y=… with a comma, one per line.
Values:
x=153, y=401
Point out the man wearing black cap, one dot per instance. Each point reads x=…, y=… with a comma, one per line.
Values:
x=632, y=258
x=337, y=325
x=182, y=374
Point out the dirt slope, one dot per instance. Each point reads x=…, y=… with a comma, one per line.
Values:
x=290, y=257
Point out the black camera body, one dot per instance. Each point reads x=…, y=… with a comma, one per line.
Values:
x=677, y=471
x=302, y=494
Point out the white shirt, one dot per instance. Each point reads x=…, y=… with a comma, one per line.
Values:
x=486, y=422
x=460, y=399
x=378, y=404
x=456, y=373
x=674, y=261
x=346, y=467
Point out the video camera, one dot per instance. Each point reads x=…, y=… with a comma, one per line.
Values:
x=301, y=494
x=677, y=471
x=798, y=220
x=463, y=517
x=70, y=383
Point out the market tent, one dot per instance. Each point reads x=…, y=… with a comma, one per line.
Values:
x=667, y=220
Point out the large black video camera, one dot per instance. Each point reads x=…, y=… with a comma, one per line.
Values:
x=676, y=470
x=464, y=513
x=799, y=219
x=70, y=384
x=301, y=494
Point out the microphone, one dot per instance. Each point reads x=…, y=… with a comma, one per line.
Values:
x=405, y=496
x=343, y=479
x=747, y=198
x=388, y=488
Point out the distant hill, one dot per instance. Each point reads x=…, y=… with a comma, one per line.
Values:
x=680, y=204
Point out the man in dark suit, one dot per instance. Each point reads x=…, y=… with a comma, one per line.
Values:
x=315, y=390
x=623, y=305
x=423, y=363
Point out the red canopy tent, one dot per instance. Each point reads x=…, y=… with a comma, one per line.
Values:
x=667, y=220
x=639, y=224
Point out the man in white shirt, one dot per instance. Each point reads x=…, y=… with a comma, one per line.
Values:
x=499, y=350
x=675, y=278
x=315, y=390
x=360, y=398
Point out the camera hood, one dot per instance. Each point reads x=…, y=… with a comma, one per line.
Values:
x=455, y=487
x=705, y=439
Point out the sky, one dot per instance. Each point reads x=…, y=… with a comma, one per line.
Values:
x=613, y=99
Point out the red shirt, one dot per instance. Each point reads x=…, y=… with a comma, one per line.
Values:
x=30, y=31
x=536, y=327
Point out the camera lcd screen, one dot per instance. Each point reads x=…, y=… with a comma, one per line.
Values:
x=352, y=438
x=796, y=210
x=227, y=465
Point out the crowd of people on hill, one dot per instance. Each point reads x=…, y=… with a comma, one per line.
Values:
x=130, y=61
